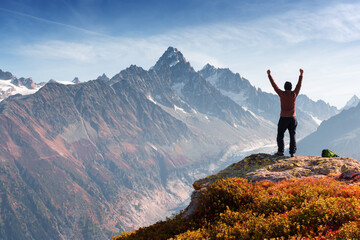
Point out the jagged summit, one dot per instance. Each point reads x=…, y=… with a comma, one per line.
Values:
x=76, y=80
x=208, y=70
x=6, y=75
x=27, y=82
x=103, y=78
x=212, y=68
x=11, y=85
x=208, y=67
x=353, y=102
x=170, y=58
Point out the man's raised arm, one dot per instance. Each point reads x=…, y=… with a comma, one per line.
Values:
x=298, y=85
x=276, y=88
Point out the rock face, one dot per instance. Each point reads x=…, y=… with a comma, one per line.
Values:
x=258, y=167
x=77, y=161
x=6, y=75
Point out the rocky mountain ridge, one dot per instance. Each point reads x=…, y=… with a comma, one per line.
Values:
x=11, y=85
x=266, y=105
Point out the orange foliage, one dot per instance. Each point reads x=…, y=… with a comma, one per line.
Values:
x=233, y=208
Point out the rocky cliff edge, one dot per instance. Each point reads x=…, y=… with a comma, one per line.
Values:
x=259, y=167
x=300, y=198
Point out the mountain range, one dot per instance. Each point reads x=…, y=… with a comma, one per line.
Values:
x=91, y=159
x=340, y=133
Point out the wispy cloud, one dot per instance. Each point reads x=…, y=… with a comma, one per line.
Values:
x=340, y=23
x=86, y=31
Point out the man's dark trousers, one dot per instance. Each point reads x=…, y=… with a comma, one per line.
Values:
x=289, y=123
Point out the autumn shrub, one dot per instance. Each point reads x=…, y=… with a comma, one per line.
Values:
x=234, y=208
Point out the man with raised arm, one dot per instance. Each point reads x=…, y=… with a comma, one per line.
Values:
x=287, y=119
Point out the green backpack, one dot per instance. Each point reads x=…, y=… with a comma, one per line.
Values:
x=328, y=153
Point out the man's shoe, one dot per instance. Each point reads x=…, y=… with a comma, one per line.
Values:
x=293, y=155
x=279, y=154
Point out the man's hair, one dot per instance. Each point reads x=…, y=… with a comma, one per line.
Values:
x=288, y=86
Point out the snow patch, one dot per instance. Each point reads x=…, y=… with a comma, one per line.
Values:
x=151, y=99
x=174, y=63
x=176, y=108
x=6, y=85
x=171, y=54
x=260, y=118
x=240, y=98
x=151, y=145
x=317, y=121
x=213, y=79
x=65, y=82
x=7, y=89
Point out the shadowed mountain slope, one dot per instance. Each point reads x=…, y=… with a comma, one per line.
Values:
x=340, y=133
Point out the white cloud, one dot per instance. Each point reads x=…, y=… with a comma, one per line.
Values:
x=338, y=23
x=56, y=50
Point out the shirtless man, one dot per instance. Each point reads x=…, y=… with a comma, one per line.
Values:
x=287, y=119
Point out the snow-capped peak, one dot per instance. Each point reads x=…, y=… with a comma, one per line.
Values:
x=353, y=102
x=170, y=58
x=11, y=85
x=7, y=88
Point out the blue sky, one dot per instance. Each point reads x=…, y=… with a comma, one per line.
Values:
x=62, y=39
